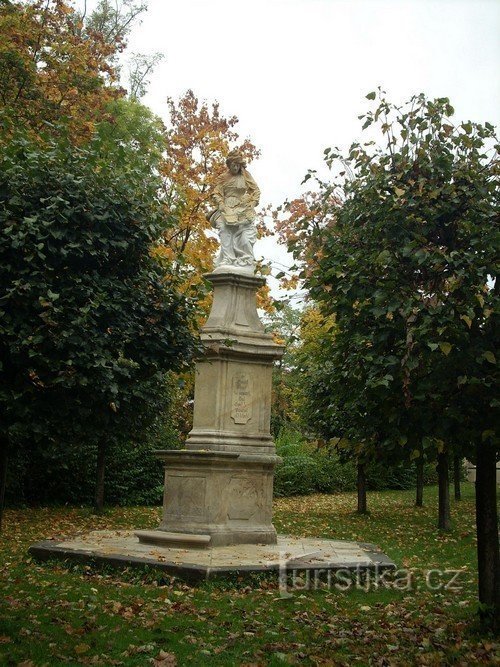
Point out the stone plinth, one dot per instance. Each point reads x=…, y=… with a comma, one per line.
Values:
x=221, y=486
x=120, y=548
x=225, y=496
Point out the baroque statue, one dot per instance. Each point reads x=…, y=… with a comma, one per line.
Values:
x=236, y=195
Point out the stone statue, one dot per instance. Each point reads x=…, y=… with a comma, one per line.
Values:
x=236, y=195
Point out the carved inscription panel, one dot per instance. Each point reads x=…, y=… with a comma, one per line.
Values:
x=242, y=392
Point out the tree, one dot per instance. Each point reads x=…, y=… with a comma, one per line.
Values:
x=132, y=136
x=407, y=267
x=298, y=223
x=90, y=322
x=54, y=73
x=112, y=21
x=141, y=67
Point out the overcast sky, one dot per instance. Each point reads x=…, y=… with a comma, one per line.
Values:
x=296, y=72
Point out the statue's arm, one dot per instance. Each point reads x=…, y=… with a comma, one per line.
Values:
x=253, y=191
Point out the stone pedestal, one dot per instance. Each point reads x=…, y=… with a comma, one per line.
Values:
x=221, y=486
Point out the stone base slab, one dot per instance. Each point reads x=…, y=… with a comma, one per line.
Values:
x=122, y=549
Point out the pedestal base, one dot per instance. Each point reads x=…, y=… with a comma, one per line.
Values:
x=223, y=495
x=120, y=548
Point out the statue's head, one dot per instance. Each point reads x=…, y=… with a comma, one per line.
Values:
x=235, y=162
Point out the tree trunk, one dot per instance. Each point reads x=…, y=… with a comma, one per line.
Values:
x=99, y=484
x=444, y=520
x=4, y=448
x=487, y=537
x=457, y=473
x=419, y=497
x=361, y=489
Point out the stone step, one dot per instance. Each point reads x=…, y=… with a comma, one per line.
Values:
x=173, y=540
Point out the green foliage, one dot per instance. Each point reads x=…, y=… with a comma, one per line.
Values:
x=298, y=472
x=406, y=267
x=297, y=475
x=284, y=324
x=90, y=324
x=308, y=469
x=131, y=135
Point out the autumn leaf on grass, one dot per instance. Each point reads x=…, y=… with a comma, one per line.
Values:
x=164, y=659
x=81, y=648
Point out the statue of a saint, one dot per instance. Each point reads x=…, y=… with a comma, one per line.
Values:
x=236, y=195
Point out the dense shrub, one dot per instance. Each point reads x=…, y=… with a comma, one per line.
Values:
x=92, y=323
x=307, y=469
x=297, y=475
x=334, y=475
x=65, y=473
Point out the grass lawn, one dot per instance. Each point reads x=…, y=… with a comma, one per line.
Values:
x=61, y=614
